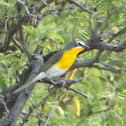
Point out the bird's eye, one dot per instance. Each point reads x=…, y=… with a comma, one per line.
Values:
x=79, y=43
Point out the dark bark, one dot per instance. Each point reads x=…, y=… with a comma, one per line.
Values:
x=18, y=103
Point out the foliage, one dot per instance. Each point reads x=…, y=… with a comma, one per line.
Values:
x=106, y=89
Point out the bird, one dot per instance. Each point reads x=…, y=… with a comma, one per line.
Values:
x=58, y=63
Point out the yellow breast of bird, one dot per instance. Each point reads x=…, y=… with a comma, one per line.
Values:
x=68, y=58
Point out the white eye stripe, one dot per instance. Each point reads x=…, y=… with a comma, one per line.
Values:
x=79, y=43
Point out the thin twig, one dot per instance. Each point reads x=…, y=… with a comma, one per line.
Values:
x=54, y=109
x=43, y=6
x=36, y=116
x=50, y=114
x=108, y=68
x=5, y=106
x=84, y=95
x=33, y=104
x=6, y=30
x=79, y=5
x=43, y=99
x=24, y=46
x=90, y=23
x=17, y=44
x=24, y=5
x=45, y=2
x=122, y=31
x=114, y=12
x=104, y=110
x=109, y=15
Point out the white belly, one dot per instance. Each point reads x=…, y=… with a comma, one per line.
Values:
x=54, y=71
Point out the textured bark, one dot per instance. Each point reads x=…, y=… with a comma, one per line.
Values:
x=17, y=101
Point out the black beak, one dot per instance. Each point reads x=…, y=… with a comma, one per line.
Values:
x=86, y=48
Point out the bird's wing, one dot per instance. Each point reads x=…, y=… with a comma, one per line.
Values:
x=52, y=60
x=46, y=57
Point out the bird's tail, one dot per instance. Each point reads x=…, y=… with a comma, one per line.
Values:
x=29, y=82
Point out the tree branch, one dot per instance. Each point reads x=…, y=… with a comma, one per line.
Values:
x=78, y=92
x=24, y=46
x=23, y=4
x=109, y=68
x=44, y=5
x=23, y=96
x=17, y=44
x=105, y=46
x=79, y=5
x=121, y=32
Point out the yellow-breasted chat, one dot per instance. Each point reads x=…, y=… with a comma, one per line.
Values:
x=58, y=63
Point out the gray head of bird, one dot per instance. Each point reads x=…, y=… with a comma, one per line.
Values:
x=77, y=44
